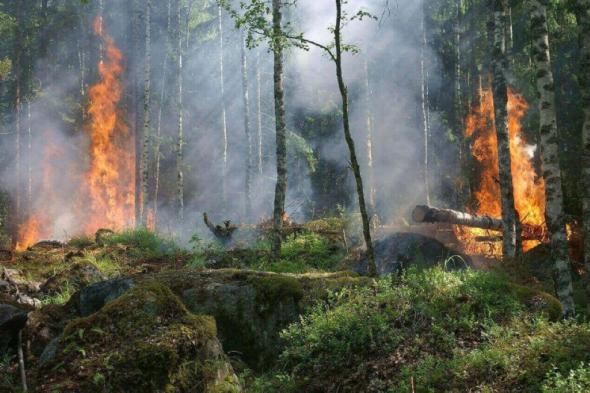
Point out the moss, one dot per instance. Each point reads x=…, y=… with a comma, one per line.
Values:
x=144, y=341
x=276, y=288
x=538, y=301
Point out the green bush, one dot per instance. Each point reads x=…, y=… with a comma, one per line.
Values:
x=578, y=380
x=145, y=243
x=419, y=320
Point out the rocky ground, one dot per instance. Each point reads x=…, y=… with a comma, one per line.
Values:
x=133, y=312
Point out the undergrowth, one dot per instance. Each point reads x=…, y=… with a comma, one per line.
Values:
x=145, y=243
x=436, y=330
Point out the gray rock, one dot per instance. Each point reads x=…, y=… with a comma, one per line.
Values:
x=402, y=250
x=12, y=320
x=50, y=351
x=95, y=296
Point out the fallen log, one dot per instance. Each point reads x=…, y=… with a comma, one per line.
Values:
x=428, y=214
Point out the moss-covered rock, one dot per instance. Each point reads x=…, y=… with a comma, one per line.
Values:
x=144, y=341
x=251, y=308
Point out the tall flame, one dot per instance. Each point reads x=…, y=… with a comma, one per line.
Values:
x=110, y=179
x=529, y=189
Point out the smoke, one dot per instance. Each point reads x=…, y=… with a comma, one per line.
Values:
x=390, y=48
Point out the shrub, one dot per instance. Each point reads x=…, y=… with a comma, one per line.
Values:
x=578, y=380
x=145, y=243
x=81, y=241
x=421, y=319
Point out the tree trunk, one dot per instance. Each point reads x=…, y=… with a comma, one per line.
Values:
x=259, y=110
x=223, y=111
x=369, y=144
x=29, y=158
x=147, y=85
x=372, y=270
x=583, y=16
x=281, y=131
x=511, y=234
x=425, y=104
x=554, y=211
x=247, y=129
x=180, y=109
x=428, y=214
x=17, y=109
x=158, y=142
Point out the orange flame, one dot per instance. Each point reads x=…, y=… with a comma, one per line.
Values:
x=529, y=189
x=110, y=179
x=107, y=191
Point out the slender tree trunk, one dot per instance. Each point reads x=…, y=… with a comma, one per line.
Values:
x=17, y=108
x=158, y=144
x=425, y=104
x=281, y=132
x=372, y=270
x=511, y=235
x=554, y=211
x=29, y=159
x=247, y=129
x=223, y=111
x=180, y=109
x=259, y=110
x=463, y=189
x=147, y=84
x=583, y=16
x=369, y=143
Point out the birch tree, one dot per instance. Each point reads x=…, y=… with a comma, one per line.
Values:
x=158, y=138
x=554, y=211
x=511, y=234
x=144, y=165
x=180, y=119
x=223, y=107
x=247, y=129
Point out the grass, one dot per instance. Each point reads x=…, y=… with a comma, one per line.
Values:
x=81, y=241
x=144, y=243
x=62, y=296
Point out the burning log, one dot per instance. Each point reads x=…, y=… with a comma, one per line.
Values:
x=428, y=214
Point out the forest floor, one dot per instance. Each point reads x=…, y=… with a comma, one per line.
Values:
x=134, y=312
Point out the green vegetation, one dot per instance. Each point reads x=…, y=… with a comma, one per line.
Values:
x=302, y=252
x=443, y=331
x=577, y=380
x=144, y=243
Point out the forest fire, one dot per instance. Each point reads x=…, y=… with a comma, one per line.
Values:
x=529, y=189
x=106, y=193
x=110, y=179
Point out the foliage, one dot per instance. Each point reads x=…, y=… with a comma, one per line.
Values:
x=415, y=319
x=8, y=374
x=146, y=243
x=578, y=380
x=62, y=296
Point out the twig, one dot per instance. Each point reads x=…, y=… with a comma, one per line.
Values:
x=21, y=361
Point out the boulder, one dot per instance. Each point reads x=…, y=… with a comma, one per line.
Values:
x=93, y=297
x=250, y=308
x=402, y=250
x=12, y=320
x=144, y=341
